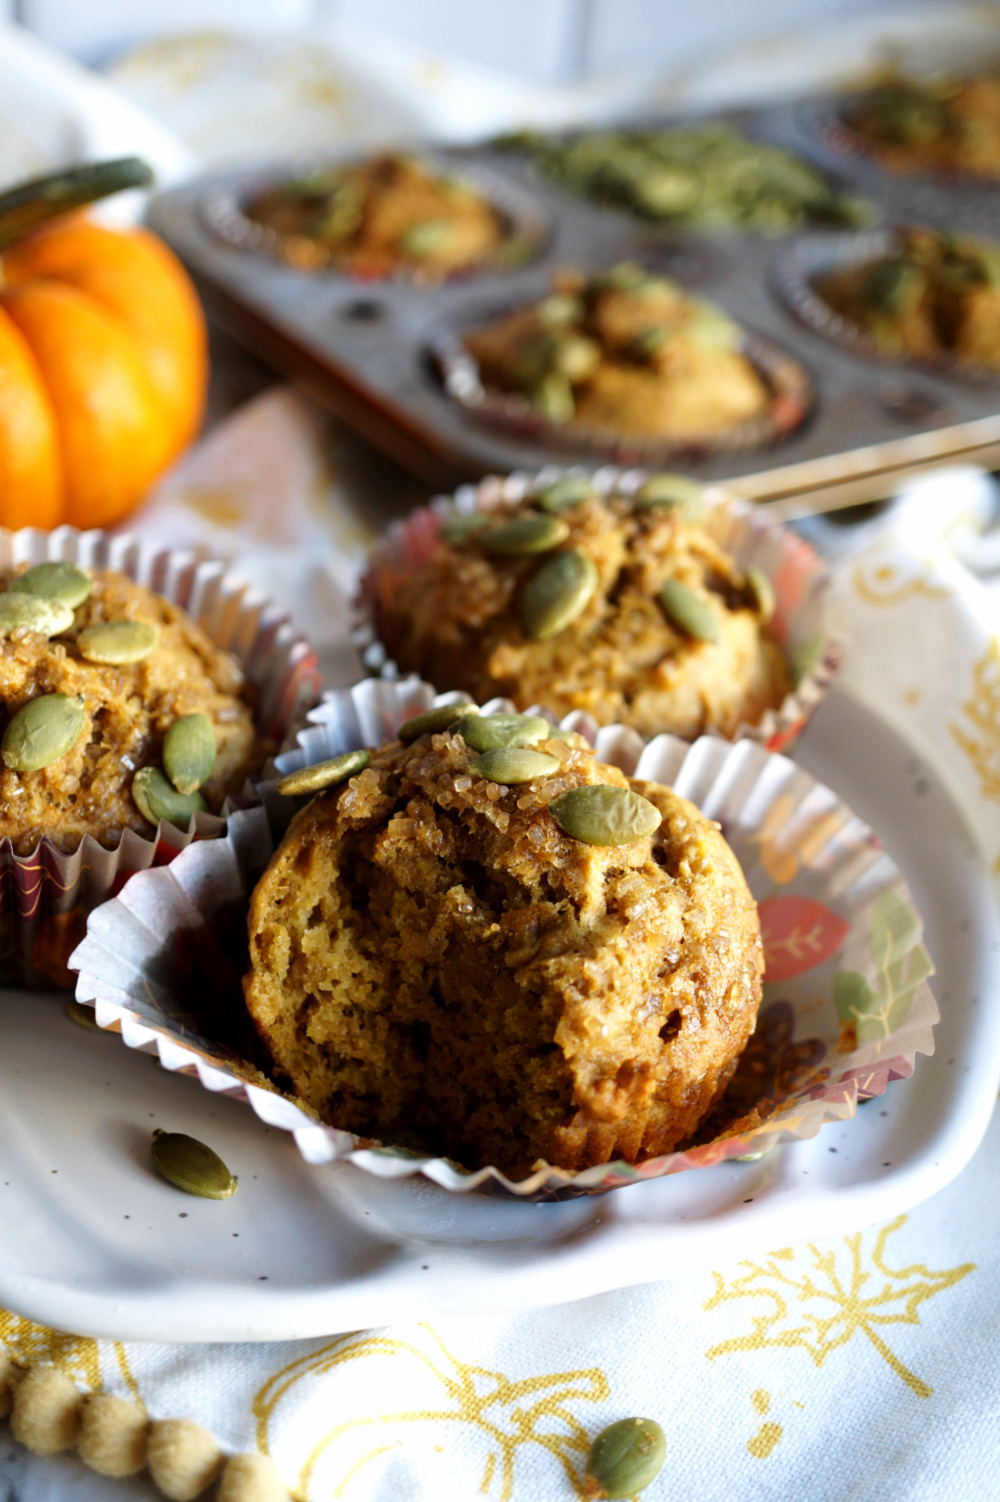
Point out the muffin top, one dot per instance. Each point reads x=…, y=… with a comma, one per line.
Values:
x=625, y=351
x=85, y=708
x=372, y=218
x=940, y=124
x=517, y=951
x=621, y=606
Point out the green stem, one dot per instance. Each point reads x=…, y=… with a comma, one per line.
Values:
x=28, y=206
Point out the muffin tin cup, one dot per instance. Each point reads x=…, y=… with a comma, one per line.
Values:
x=846, y=1004
x=805, y=623
x=791, y=399
x=45, y=896
x=796, y=274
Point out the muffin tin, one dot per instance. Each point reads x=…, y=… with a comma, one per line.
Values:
x=366, y=350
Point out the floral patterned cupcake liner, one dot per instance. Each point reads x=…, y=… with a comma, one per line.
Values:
x=46, y=895
x=846, y=1004
x=804, y=623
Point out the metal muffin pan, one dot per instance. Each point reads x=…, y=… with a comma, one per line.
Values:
x=363, y=349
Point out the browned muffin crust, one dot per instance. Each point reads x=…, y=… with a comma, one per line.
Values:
x=455, y=620
x=128, y=711
x=433, y=957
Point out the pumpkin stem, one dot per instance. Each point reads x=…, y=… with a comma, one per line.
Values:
x=30, y=205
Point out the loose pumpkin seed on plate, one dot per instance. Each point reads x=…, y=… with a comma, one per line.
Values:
x=567, y=491
x=688, y=611
x=156, y=798
x=33, y=613
x=432, y=721
x=524, y=535
x=761, y=592
x=59, y=581
x=189, y=752
x=324, y=774
x=42, y=731
x=191, y=1165
x=489, y=731
x=623, y=1460
x=117, y=643
x=557, y=594
x=604, y=814
x=512, y=765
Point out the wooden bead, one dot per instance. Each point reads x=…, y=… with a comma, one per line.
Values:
x=46, y=1412
x=183, y=1458
x=113, y=1435
x=251, y=1478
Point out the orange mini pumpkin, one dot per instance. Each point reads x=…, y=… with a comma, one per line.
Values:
x=103, y=372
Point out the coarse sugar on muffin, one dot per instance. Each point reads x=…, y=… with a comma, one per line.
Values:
x=127, y=710
x=435, y=959
x=463, y=618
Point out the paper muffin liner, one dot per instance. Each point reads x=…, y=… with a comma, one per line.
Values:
x=790, y=400
x=805, y=623
x=527, y=226
x=46, y=895
x=846, y=1003
x=795, y=277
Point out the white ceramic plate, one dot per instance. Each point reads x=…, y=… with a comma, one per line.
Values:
x=92, y=1241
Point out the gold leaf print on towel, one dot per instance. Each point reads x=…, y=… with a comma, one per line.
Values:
x=982, y=745
x=503, y=1413
x=820, y=1299
x=768, y=1436
x=888, y=579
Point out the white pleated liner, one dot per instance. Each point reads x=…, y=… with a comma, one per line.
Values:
x=274, y=656
x=769, y=809
x=805, y=621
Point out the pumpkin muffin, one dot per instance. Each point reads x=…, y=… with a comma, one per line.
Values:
x=942, y=124
x=95, y=674
x=373, y=218
x=621, y=606
x=444, y=956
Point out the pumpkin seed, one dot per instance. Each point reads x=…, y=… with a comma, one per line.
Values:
x=689, y=612
x=603, y=814
x=62, y=582
x=557, y=594
x=575, y=357
x=83, y=1016
x=624, y=1458
x=157, y=799
x=649, y=343
x=625, y=277
x=673, y=492
x=567, y=491
x=32, y=613
x=512, y=765
x=432, y=721
x=525, y=535
x=425, y=238
x=189, y=752
x=558, y=308
x=553, y=398
x=189, y=1165
x=762, y=592
x=324, y=774
x=116, y=643
x=458, y=527
x=42, y=731
x=487, y=732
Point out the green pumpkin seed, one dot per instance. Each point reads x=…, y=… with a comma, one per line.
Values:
x=324, y=774
x=189, y=752
x=558, y=593
x=625, y=277
x=456, y=528
x=63, y=582
x=189, y=1165
x=117, y=643
x=32, y=613
x=675, y=492
x=425, y=238
x=432, y=721
x=488, y=731
x=762, y=592
x=524, y=535
x=623, y=1459
x=83, y=1016
x=576, y=358
x=157, y=799
x=571, y=738
x=603, y=814
x=553, y=398
x=689, y=612
x=649, y=343
x=558, y=309
x=512, y=765
x=42, y=731
x=567, y=491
